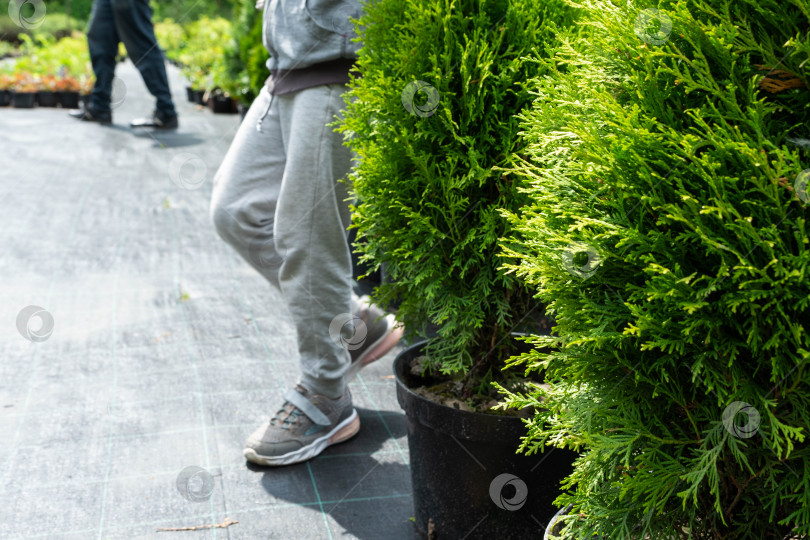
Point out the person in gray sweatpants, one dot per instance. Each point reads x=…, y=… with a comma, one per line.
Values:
x=280, y=201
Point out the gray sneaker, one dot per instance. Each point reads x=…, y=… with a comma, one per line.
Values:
x=304, y=426
x=382, y=334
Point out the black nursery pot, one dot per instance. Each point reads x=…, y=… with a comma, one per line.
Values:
x=220, y=104
x=46, y=98
x=194, y=96
x=555, y=526
x=5, y=98
x=69, y=99
x=467, y=479
x=23, y=100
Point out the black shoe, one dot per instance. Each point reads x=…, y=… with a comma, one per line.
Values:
x=157, y=121
x=86, y=115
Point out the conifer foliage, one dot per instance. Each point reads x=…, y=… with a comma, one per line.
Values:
x=431, y=119
x=667, y=165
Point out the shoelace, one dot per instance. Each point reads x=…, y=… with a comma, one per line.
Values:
x=288, y=420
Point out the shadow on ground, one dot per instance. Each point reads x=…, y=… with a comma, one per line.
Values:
x=357, y=481
x=169, y=139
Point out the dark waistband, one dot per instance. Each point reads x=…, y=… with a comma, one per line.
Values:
x=285, y=81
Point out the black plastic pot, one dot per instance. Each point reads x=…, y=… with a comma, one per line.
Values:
x=467, y=480
x=5, y=98
x=220, y=104
x=46, y=98
x=69, y=99
x=23, y=100
x=194, y=96
x=554, y=526
x=198, y=97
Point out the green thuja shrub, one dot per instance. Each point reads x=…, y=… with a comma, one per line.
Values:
x=668, y=233
x=432, y=118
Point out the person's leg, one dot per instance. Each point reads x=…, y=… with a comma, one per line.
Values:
x=247, y=187
x=288, y=217
x=133, y=19
x=102, y=41
x=260, y=195
x=311, y=231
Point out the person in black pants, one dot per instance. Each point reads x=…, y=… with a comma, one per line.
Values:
x=130, y=22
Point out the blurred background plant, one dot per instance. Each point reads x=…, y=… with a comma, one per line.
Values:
x=7, y=49
x=244, y=69
x=52, y=64
x=172, y=38
x=198, y=36
x=204, y=52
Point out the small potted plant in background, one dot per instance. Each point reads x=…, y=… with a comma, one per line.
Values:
x=46, y=95
x=433, y=121
x=195, y=91
x=225, y=82
x=24, y=91
x=6, y=85
x=203, y=50
x=221, y=102
x=67, y=88
x=668, y=231
x=26, y=71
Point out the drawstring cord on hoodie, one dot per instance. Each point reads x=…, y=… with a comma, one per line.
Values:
x=264, y=115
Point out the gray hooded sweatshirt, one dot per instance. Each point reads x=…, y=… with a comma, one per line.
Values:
x=310, y=42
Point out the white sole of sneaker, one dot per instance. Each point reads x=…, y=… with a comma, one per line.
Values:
x=377, y=349
x=343, y=431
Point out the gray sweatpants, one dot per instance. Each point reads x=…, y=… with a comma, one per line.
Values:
x=278, y=200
